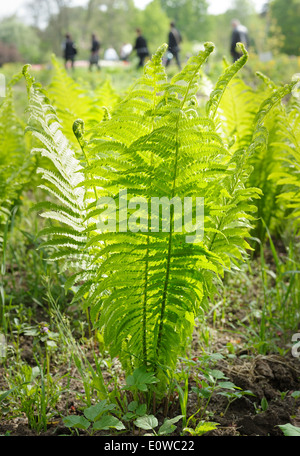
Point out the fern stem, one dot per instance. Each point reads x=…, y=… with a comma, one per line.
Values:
x=165, y=290
x=148, y=244
x=78, y=129
x=164, y=298
x=145, y=304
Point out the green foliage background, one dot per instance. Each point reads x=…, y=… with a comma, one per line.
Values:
x=274, y=29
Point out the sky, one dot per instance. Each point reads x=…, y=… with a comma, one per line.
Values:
x=215, y=6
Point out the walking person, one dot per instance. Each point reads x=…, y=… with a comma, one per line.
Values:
x=69, y=50
x=95, y=48
x=174, y=40
x=141, y=48
x=239, y=35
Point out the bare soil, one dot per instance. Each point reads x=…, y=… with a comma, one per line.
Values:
x=272, y=377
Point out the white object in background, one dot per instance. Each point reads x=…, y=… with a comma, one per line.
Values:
x=296, y=88
x=265, y=56
x=111, y=54
x=2, y=346
x=2, y=86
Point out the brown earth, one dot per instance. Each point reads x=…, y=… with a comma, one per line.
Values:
x=268, y=377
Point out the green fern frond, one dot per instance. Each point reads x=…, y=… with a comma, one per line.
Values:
x=222, y=83
x=16, y=166
x=267, y=161
x=60, y=180
x=71, y=101
x=237, y=115
x=159, y=283
x=288, y=144
x=143, y=281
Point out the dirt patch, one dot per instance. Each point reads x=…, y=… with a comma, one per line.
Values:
x=271, y=377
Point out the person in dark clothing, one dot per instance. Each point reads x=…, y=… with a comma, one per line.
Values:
x=239, y=35
x=174, y=40
x=95, y=48
x=69, y=51
x=141, y=48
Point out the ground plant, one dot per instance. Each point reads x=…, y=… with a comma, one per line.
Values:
x=149, y=243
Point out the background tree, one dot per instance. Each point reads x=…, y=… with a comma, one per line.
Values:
x=23, y=38
x=154, y=23
x=190, y=16
x=242, y=10
x=51, y=19
x=287, y=14
x=114, y=21
x=265, y=32
x=220, y=32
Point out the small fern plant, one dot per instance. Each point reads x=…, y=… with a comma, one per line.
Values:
x=288, y=177
x=145, y=286
x=236, y=114
x=72, y=101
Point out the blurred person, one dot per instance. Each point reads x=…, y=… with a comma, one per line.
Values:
x=69, y=50
x=95, y=48
x=239, y=35
x=111, y=54
x=174, y=40
x=141, y=48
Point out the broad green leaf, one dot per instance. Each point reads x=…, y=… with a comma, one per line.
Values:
x=205, y=392
x=93, y=412
x=217, y=374
x=168, y=426
x=132, y=406
x=130, y=381
x=141, y=409
x=295, y=394
x=107, y=422
x=227, y=385
x=146, y=422
x=129, y=416
x=76, y=421
x=290, y=430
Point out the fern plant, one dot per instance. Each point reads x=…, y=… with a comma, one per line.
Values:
x=267, y=162
x=288, y=177
x=72, y=101
x=60, y=175
x=236, y=114
x=145, y=287
x=15, y=164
